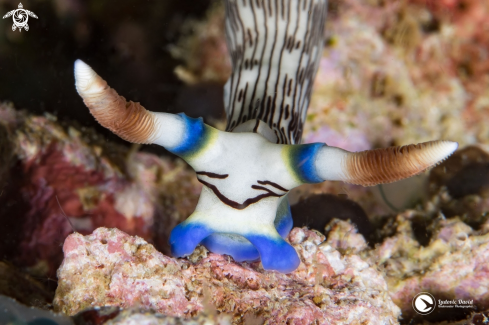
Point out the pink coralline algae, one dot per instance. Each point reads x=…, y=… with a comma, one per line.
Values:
x=112, y=268
x=61, y=170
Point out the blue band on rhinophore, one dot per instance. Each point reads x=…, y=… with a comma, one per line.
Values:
x=302, y=161
x=194, y=137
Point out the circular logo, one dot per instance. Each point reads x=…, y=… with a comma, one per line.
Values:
x=20, y=17
x=424, y=303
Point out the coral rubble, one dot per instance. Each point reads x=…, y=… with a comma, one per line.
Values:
x=110, y=267
x=452, y=266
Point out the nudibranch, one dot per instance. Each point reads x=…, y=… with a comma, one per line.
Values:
x=247, y=170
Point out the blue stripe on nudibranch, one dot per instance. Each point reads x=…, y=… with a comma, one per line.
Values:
x=301, y=160
x=196, y=136
x=239, y=247
x=235, y=245
x=275, y=253
x=283, y=220
x=186, y=236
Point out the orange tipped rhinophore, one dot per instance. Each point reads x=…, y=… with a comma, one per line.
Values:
x=387, y=165
x=129, y=120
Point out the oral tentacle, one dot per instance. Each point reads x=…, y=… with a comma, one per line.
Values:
x=378, y=166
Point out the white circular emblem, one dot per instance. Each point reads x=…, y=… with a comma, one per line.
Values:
x=424, y=303
x=20, y=17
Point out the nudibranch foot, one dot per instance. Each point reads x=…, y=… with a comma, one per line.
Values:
x=275, y=253
x=239, y=247
x=186, y=236
x=236, y=246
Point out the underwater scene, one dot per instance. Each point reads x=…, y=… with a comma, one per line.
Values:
x=244, y=162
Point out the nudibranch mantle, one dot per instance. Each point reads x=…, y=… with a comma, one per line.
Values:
x=248, y=169
x=247, y=200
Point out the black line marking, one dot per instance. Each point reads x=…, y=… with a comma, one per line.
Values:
x=213, y=175
x=282, y=134
x=262, y=102
x=273, y=184
x=236, y=13
x=245, y=204
x=256, y=126
x=250, y=107
x=284, y=87
x=265, y=109
x=274, y=105
x=277, y=137
x=261, y=188
x=244, y=101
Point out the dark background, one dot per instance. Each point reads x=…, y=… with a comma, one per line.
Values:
x=127, y=42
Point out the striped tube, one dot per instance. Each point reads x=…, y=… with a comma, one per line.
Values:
x=275, y=48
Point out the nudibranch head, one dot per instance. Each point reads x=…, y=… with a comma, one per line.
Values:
x=243, y=210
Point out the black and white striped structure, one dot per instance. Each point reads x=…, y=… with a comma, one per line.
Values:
x=275, y=48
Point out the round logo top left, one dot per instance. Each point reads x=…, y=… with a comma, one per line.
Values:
x=20, y=16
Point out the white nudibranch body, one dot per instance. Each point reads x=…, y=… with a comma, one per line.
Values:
x=248, y=170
